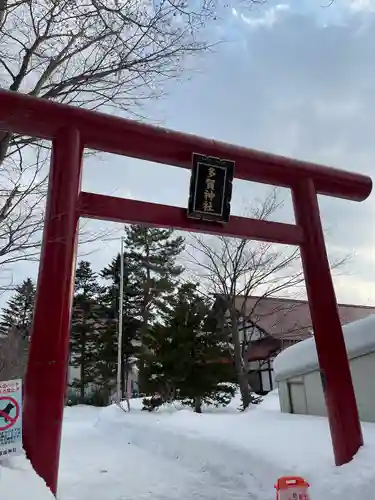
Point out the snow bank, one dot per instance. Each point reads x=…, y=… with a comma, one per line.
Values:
x=18, y=481
x=302, y=357
x=239, y=455
x=233, y=407
x=176, y=454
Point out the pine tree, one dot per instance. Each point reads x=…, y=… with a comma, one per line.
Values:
x=152, y=254
x=107, y=365
x=19, y=310
x=190, y=359
x=86, y=320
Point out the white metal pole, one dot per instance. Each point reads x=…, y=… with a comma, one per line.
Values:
x=120, y=321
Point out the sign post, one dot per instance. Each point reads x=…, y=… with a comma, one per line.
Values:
x=10, y=418
x=210, y=188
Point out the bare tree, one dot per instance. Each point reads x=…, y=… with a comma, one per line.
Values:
x=107, y=54
x=23, y=188
x=234, y=269
x=13, y=355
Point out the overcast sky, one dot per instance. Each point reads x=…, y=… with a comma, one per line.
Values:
x=294, y=78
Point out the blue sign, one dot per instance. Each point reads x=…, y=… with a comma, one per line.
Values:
x=10, y=418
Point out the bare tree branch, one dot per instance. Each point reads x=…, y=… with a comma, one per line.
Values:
x=13, y=355
x=108, y=54
x=236, y=270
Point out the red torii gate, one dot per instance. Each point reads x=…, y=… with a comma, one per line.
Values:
x=71, y=130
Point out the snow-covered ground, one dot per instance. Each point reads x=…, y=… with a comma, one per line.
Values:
x=175, y=454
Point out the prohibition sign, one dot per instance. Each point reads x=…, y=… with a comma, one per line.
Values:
x=11, y=420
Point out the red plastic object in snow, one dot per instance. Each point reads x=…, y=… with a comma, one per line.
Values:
x=292, y=488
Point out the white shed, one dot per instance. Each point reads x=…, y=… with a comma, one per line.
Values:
x=296, y=371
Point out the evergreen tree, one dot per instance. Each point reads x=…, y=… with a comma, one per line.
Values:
x=19, y=310
x=152, y=254
x=189, y=358
x=86, y=320
x=110, y=299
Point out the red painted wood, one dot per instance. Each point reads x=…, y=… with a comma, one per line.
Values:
x=45, y=381
x=43, y=118
x=96, y=206
x=342, y=409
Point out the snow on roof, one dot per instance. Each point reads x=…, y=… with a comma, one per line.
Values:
x=302, y=358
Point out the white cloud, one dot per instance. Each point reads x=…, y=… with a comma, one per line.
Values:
x=267, y=19
x=306, y=92
x=362, y=5
x=300, y=91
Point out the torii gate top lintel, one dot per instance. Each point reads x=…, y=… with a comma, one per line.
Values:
x=41, y=118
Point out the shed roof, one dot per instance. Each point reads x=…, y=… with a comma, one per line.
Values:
x=302, y=358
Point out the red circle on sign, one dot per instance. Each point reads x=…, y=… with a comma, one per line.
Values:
x=11, y=420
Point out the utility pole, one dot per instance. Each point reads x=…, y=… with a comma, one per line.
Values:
x=120, y=321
